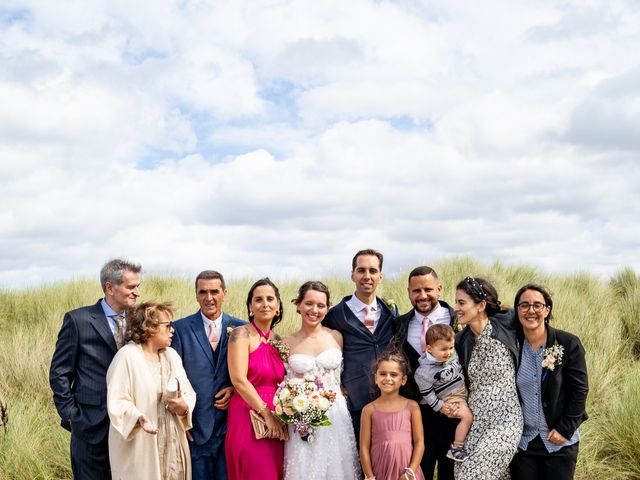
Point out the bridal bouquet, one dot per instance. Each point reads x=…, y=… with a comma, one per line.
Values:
x=303, y=403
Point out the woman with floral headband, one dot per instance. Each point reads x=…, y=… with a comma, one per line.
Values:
x=488, y=353
x=552, y=382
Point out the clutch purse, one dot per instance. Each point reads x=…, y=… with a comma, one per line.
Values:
x=258, y=424
x=260, y=427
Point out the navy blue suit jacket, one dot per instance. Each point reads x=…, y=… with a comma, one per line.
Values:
x=83, y=353
x=191, y=342
x=361, y=348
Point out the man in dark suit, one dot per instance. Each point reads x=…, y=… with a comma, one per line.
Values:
x=201, y=342
x=88, y=340
x=424, y=290
x=365, y=322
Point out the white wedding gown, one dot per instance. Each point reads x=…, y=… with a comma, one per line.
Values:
x=333, y=453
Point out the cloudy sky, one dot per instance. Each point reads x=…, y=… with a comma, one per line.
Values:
x=278, y=137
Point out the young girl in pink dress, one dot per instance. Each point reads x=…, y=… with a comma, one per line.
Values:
x=391, y=437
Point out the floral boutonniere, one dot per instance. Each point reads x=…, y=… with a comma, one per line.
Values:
x=229, y=330
x=455, y=325
x=552, y=358
x=391, y=304
x=282, y=347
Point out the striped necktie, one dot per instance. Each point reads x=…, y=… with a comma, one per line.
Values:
x=119, y=335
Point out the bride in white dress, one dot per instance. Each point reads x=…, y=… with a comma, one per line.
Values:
x=318, y=350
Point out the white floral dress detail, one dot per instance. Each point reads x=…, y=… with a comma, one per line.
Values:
x=333, y=453
x=497, y=416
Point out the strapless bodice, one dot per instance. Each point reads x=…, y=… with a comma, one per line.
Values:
x=326, y=365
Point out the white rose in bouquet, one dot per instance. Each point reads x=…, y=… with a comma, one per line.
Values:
x=300, y=404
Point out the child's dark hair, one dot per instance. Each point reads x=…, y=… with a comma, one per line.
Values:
x=390, y=355
x=439, y=331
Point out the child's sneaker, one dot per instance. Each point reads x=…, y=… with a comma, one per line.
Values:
x=457, y=454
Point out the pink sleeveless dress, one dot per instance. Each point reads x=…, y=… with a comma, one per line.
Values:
x=248, y=458
x=391, y=443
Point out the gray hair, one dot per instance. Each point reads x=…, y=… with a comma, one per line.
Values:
x=211, y=275
x=113, y=270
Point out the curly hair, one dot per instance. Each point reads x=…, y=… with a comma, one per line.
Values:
x=143, y=320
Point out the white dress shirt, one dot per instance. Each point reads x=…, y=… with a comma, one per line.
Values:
x=414, y=330
x=217, y=325
x=357, y=306
x=110, y=313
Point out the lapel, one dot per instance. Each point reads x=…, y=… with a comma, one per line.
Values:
x=197, y=327
x=551, y=339
x=222, y=343
x=347, y=316
x=409, y=351
x=101, y=324
x=353, y=321
x=454, y=319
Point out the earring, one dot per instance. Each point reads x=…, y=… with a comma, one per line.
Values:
x=277, y=312
x=250, y=314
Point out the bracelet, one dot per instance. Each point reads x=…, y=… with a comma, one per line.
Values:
x=186, y=412
x=264, y=405
x=409, y=471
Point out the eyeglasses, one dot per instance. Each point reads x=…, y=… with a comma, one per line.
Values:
x=167, y=324
x=537, y=306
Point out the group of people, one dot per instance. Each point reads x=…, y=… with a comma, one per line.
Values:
x=474, y=391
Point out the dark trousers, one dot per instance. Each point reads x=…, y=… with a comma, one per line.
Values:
x=439, y=431
x=208, y=461
x=207, y=467
x=536, y=463
x=90, y=462
x=355, y=420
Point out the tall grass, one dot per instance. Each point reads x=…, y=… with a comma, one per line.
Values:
x=603, y=314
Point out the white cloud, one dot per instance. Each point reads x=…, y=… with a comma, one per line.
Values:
x=279, y=138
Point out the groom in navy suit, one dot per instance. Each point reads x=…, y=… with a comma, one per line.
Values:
x=87, y=342
x=201, y=342
x=365, y=322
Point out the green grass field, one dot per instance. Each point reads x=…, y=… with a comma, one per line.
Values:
x=604, y=314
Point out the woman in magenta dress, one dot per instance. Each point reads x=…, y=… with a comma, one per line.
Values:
x=256, y=369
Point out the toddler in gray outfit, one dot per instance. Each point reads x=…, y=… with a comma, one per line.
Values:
x=441, y=381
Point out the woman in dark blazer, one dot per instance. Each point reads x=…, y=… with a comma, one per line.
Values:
x=552, y=384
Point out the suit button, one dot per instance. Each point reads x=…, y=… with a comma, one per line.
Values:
x=544, y=404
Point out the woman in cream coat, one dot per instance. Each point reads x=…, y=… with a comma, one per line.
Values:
x=149, y=411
